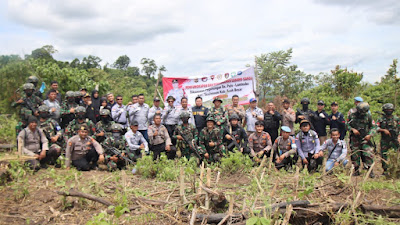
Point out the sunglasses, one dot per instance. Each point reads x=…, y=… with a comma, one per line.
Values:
x=119, y=98
x=170, y=101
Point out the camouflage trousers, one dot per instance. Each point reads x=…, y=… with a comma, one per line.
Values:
x=385, y=146
x=361, y=151
x=134, y=155
x=111, y=165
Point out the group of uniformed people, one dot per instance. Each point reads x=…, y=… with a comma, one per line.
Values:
x=115, y=134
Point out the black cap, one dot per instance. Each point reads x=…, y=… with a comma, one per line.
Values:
x=83, y=89
x=134, y=123
x=156, y=99
x=321, y=102
x=32, y=119
x=285, y=100
x=334, y=103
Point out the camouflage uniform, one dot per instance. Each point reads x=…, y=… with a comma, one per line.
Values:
x=361, y=120
x=219, y=116
x=51, y=128
x=191, y=133
x=121, y=145
x=215, y=153
x=73, y=126
x=66, y=115
x=34, y=80
x=391, y=123
x=103, y=126
x=28, y=107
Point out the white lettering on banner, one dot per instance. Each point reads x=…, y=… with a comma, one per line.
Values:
x=223, y=86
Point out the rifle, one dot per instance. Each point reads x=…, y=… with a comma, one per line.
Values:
x=306, y=117
x=393, y=132
x=234, y=141
x=115, y=151
x=28, y=104
x=191, y=144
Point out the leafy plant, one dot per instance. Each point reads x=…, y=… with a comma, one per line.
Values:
x=236, y=162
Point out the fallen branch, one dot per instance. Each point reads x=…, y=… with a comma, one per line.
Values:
x=75, y=193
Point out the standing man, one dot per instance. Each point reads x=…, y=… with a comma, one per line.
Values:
x=361, y=130
x=68, y=109
x=336, y=120
x=139, y=112
x=236, y=108
x=83, y=151
x=90, y=111
x=200, y=113
x=155, y=109
x=321, y=121
x=54, y=86
x=136, y=142
x=389, y=127
x=288, y=116
x=253, y=114
x=34, y=143
x=308, y=146
x=171, y=117
x=185, y=108
x=357, y=100
x=159, y=139
x=272, y=119
x=305, y=113
x=118, y=112
x=35, y=81
x=54, y=105
x=218, y=114
x=110, y=99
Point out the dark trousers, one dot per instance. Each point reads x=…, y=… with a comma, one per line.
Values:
x=88, y=162
x=313, y=164
x=51, y=157
x=287, y=162
x=171, y=129
x=273, y=133
x=144, y=133
x=157, y=149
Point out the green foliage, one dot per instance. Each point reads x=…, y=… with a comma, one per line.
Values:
x=307, y=181
x=371, y=185
x=122, y=62
x=19, y=175
x=236, y=162
x=164, y=169
x=7, y=129
x=149, y=66
x=394, y=164
x=101, y=219
x=258, y=221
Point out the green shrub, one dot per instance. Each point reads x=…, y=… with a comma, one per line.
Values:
x=236, y=162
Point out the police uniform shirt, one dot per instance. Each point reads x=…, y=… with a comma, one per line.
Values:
x=135, y=140
x=260, y=142
x=140, y=114
x=251, y=120
x=309, y=143
x=78, y=148
x=171, y=118
x=285, y=147
x=118, y=113
x=161, y=137
x=152, y=112
x=288, y=118
x=32, y=141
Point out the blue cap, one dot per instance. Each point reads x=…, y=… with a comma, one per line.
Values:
x=358, y=99
x=286, y=129
x=252, y=100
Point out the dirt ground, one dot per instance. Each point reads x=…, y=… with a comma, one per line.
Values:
x=34, y=198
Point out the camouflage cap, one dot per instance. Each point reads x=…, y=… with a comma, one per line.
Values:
x=363, y=107
x=80, y=109
x=210, y=118
x=28, y=86
x=217, y=99
x=184, y=115
x=32, y=79
x=388, y=106
x=116, y=126
x=70, y=94
x=234, y=116
x=44, y=108
x=105, y=112
x=77, y=94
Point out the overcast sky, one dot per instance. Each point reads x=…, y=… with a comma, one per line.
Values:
x=204, y=37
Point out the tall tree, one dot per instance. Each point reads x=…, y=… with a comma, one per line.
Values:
x=149, y=66
x=122, y=62
x=346, y=81
x=91, y=62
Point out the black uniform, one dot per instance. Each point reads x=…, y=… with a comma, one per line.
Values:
x=339, y=123
x=321, y=123
x=200, y=116
x=271, y=124
x=240, y=135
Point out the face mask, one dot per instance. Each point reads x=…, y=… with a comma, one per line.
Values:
x=29, y=93
x=305, y=107
x=116, y=135
x=388, y=113
x=43, y=115
x=185, y=120
x=70, y=99
x=80, y=116
x=104, y=119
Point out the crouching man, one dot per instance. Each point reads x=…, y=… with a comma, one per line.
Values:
x=34, y=143
x=159, y=139
x=337, y=150
x=308, y=146
x=83, y=151
x=285, y=149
